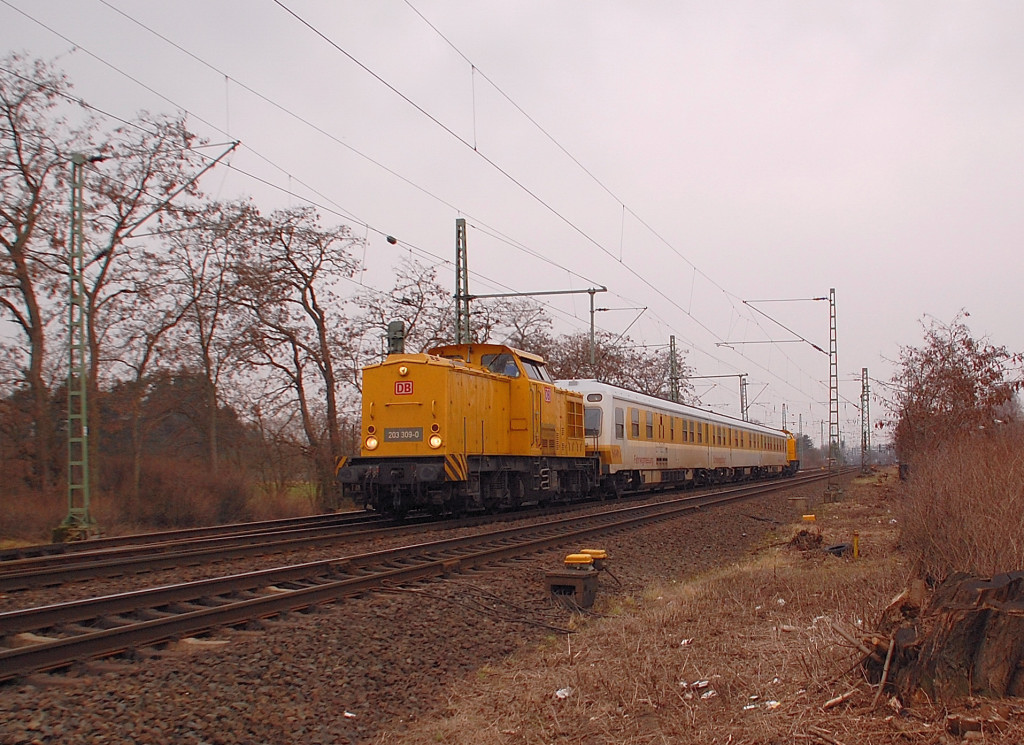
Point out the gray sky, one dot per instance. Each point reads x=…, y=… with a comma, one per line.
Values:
x=736, y=151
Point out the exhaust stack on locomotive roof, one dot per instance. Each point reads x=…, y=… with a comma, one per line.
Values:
x=396, y=337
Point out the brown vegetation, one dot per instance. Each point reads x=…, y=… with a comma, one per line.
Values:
x=754, y=653
x=963, y=506
x=952, y=387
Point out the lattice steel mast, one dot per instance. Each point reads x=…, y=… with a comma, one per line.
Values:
x=79, y=521
x=865, y=420
x=833, y=400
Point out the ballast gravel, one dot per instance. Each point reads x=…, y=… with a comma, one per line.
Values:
x=345, y=672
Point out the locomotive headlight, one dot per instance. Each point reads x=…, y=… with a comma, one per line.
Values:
x=371, y=443
x=403, y=370
x=434, y=441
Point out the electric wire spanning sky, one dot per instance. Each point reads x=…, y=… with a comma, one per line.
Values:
x=688, y=157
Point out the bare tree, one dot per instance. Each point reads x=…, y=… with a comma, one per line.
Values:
x=296, y=331
x=140, y=343
x=206, y=246
x=617, y=360
x=520, y=322
x=148, y=165
x=524, y=324
x=417, y=299
x=34, y=150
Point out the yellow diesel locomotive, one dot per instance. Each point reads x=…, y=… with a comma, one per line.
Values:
x=471, y=427
x=467, y=427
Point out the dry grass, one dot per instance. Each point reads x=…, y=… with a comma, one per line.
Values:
x=174, y=494
x=27, y=518
x=964, y=507
x=747, y=654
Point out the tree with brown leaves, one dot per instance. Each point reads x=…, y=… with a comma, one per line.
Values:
x=952, y=385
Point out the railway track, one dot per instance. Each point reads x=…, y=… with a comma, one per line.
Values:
x=181, y=535
x=55, y=636
x=140, y=556
x=149, y=552
x=133, y=558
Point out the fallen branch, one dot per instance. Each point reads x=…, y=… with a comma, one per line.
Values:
x=839, y=699
x=868, y=652
x=885, y=673
x=823, y=735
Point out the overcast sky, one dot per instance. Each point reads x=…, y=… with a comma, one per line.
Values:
x=686, y=155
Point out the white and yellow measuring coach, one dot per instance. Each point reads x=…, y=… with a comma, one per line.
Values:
x=643, y=440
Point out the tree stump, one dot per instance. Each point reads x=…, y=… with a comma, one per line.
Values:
x=968, y=641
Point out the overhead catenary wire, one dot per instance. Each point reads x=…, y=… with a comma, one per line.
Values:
x=522, y=186
x=348, y=216
x=625, y=208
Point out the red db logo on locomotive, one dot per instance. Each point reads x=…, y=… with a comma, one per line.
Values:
x=403, y=387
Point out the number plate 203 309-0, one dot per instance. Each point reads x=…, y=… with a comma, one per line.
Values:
x=403, y=434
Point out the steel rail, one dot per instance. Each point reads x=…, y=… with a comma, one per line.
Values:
x=181, y=534
x=366, y=572
x=53, y=570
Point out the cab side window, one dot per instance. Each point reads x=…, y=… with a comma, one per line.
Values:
x=535, y=371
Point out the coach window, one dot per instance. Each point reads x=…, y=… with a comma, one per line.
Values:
x=592, y=421
x=620, y=424
x=649, y=429
x=634, y=423
x=671, y=429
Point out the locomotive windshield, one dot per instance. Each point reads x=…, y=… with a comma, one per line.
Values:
x=503, y=364
x=592, y=421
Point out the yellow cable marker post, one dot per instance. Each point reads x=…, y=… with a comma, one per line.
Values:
x=856, y=544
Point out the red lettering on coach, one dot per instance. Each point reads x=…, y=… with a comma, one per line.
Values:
x=403, y=387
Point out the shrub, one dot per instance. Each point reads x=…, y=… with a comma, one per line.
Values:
x=963, y=505
x=30, y=516
x=173, y=494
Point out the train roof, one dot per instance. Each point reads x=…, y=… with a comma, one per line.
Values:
x=585, y=386
x=445, y=350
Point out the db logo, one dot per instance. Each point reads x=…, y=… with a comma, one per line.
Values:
x=403, y=387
